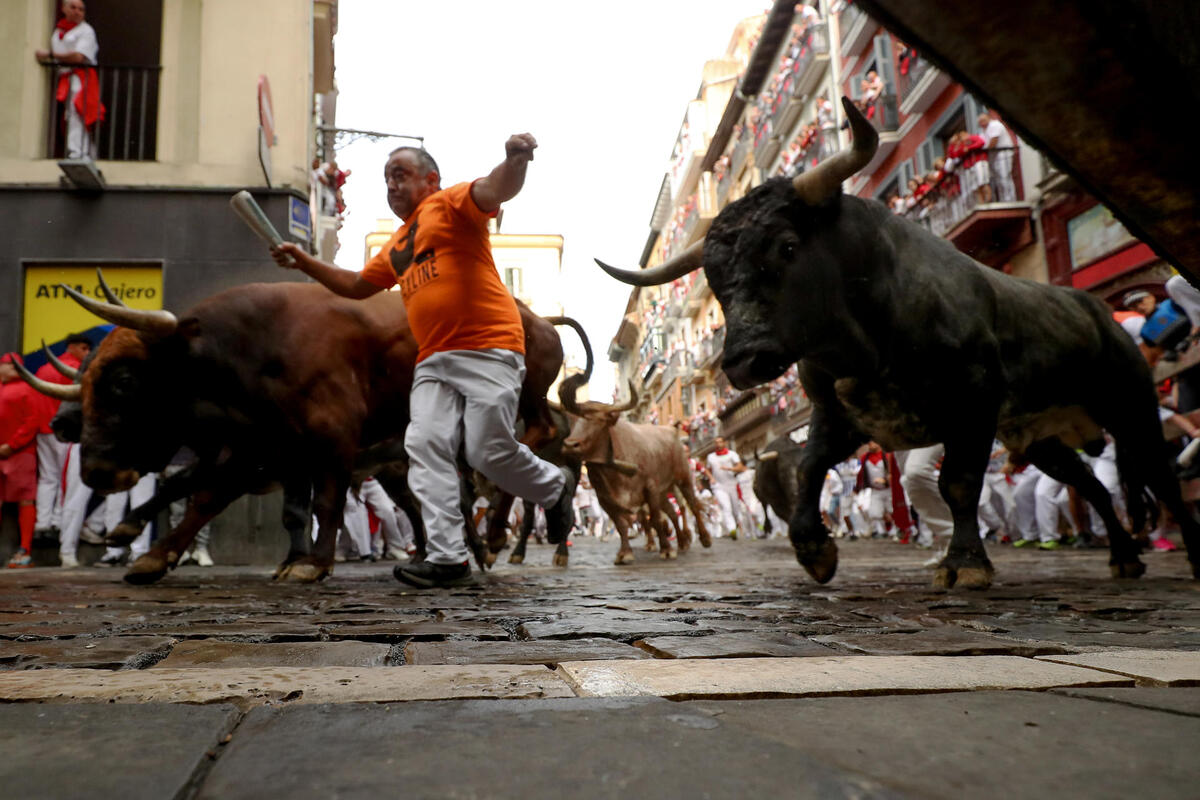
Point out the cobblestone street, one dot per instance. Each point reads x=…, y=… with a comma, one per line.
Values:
x=541, y=674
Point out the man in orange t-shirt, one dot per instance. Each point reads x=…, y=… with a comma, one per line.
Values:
x=471, y=342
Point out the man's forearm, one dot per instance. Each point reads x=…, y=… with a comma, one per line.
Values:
x=335, y=279
x=507, y=178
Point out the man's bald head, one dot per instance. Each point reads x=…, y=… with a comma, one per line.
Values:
x=74, y=10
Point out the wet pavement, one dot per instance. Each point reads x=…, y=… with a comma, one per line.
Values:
x=726, y=672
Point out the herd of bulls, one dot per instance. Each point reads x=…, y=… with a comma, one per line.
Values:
x=899, y=338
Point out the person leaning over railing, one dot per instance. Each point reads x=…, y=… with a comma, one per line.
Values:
x=73, y=44
x=1000, y=155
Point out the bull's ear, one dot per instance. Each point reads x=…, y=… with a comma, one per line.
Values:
x=613, y=417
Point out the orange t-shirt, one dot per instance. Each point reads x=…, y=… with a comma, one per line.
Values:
x=442, y=259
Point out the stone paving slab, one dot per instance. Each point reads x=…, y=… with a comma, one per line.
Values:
x=109, y=652
x=848, y=675
x=733, y=645
x=619, y=749
x=207, y=653
x=946, y=640
x=249, y=687
x=1175, y=700
x=984, y=745
x=551, y=651
x=101, y=751
x=425, y=630
x=1157, y=667
x=601, y=626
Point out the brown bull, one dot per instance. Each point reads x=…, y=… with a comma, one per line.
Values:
x=270, y=384
x=601, y=439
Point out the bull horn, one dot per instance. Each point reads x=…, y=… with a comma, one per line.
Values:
x=814, y=186
x=768, y=456
x=633, y=399
x=59, y=391
x=566, y=395
x=108, y=293
x=676, y=267
x=64, y=370
x=157, y=323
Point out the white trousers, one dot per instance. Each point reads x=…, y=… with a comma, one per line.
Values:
x=51, y=459
x=919, y=477
x=995, y=503
x=356, y=526
x=725, y=501
x=77, y=495
x=1050, y=502
x=468, y=398
x=1104, y=467
x=116, y=505
x=79, y=141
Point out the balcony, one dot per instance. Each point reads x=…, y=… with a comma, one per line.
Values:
x=990, y=226
x=810, y=63
x=746, y=411
x=920, y=86
x=701, y=435
x=857, y=29
x=885, y=118
x=711, y=348
x=696, y=293
x=740, y=151
x=129, y=130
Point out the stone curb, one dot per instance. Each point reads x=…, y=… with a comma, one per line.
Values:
x=823, y=676
x=1148, y=667
x=676, y=679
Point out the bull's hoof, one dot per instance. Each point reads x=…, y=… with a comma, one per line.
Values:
x=651, y=545
x=147, y=569
x=944, y=577
x=1128, y=569
x=975, y=577
x=490, y=558
x=516, y=558
x=624, y=557
x=820, y=559
x=305, y=572
x=122, y=535
x=560, y=560
x=669, y=555
x=705, y=540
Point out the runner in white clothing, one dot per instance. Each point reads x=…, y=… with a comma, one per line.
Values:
x=724, y=465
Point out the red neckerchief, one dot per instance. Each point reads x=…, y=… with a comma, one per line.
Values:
x=875, y=458
x=64, y=25
x=722, y=451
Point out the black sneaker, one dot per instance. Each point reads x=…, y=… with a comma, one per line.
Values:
x=560, y=517
x=427, y=575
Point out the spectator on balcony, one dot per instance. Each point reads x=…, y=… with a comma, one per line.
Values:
x=73, y=45
x=999, y=143
x=906, y=58
x=974, y=166
x=896, y=203
x=872, y=88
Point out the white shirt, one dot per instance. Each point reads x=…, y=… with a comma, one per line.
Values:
x=996, y=130
x=1133, y=326
x=80, y=39
x=720, y=467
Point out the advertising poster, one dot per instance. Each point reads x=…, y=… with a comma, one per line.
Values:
x=50, y=314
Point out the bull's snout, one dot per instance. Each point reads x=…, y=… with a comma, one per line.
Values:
x=572, y=447
x=106, y=479
x=750, y=368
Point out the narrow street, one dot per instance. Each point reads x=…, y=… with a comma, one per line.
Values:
x=724, y=673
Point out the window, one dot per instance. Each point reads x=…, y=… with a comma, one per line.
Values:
x=512, y=279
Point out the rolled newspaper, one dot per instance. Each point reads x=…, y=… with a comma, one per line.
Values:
x=252, y=214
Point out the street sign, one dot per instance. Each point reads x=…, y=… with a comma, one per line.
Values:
x=299, y=219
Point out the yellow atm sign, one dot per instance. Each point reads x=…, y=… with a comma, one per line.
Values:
x=50, y=313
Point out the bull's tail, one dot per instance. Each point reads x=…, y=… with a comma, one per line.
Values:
x=573, y=382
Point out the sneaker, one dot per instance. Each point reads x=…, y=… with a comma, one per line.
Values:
x=1162, y=544
x=20, y=559
x=392, y=555
x=45, y=537
x=188, y=557
x=200, y=553
x=111, y=560
x=1051, y=545
x=427, y=575
x=68, y=560
x=560, y=517
x=1024, y=542
x=88, y=535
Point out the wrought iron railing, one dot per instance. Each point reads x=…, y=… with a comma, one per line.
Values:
x=954, y=197
x=129, y=129
x=907, y=79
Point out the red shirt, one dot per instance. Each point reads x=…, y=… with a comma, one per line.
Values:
x=18, y=416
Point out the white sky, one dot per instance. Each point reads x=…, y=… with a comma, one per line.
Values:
x=602, y=86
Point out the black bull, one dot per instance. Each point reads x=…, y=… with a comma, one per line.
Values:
x=271, y=385
x=901, y=338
